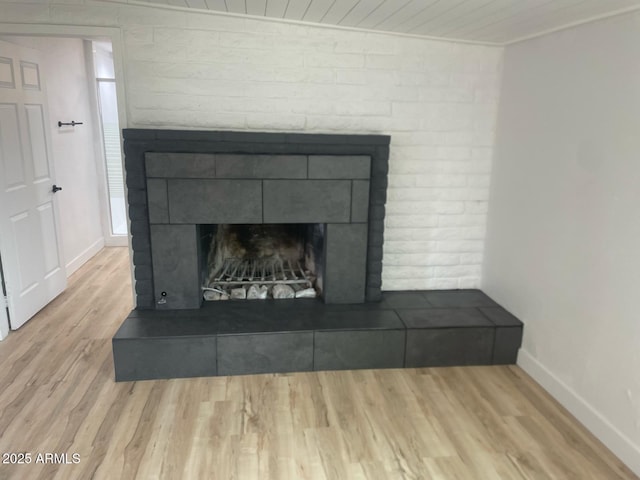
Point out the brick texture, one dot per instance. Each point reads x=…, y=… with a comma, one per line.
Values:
x=436, y=99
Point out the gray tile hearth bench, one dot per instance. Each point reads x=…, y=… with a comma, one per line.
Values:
x=405, y=329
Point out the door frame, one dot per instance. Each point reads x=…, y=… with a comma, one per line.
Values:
x=114, y=34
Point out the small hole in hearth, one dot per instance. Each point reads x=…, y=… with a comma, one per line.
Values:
x=260, y=261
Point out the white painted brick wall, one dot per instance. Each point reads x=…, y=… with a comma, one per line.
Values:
x=437, y=100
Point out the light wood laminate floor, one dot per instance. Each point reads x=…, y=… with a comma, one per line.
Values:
x=58, y=396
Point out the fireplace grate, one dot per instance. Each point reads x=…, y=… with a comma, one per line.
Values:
x=265, y=271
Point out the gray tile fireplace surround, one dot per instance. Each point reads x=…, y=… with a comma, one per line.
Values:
x=404, y=330
x=180, y=179
x=169, y=171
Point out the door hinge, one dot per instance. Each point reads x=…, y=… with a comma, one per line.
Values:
x=4, y=301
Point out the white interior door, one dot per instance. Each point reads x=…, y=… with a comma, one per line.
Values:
x=30, y=245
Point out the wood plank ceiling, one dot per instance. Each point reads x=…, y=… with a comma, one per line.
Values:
x=491, y=21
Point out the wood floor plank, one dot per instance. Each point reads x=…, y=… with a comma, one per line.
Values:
x=58, y=395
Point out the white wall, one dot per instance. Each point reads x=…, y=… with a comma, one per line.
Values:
x=563, y=243
x=437, y=100
x=73, y=147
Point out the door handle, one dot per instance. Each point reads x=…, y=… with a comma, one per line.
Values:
x=55, y=188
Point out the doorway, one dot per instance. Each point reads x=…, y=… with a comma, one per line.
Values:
x=95, y=196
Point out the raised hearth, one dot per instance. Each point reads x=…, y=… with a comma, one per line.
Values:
x=405, y=329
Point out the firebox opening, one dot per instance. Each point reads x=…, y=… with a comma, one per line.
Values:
x=260, y=261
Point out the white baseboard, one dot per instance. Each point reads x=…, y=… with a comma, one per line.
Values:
x=4, y=322
x=594, y=421
x=116, y=241
x=81, y=259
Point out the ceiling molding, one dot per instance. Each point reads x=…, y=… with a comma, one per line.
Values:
x=568, y=26
x=142, y=3
x=447, y=16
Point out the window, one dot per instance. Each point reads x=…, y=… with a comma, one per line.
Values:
x=110, y=127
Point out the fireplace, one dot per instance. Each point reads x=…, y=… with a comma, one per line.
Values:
x=189, y=189
x=295, y=218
